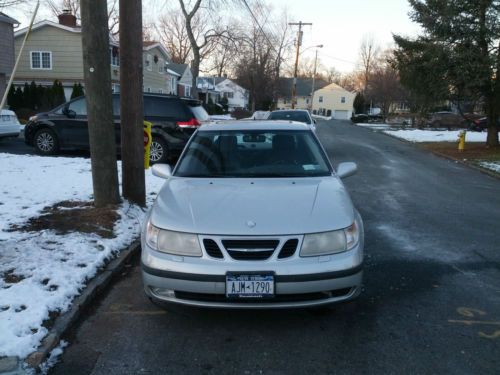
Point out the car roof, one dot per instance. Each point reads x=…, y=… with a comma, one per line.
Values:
x=290, y=110
x=254, y=125
x=7, y=112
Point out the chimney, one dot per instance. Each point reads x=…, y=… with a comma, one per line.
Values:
x=67, y=19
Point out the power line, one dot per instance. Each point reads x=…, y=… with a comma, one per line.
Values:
x=260, y=27
x=336, y=58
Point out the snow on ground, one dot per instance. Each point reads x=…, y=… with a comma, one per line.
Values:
x=322, y=117
x=376, y=126
x=494, y=166
x=417, y=135
x=50, y=269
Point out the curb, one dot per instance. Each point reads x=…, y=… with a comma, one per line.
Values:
x=12, y=365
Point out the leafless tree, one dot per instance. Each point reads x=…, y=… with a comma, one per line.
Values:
x=368, y=53
x=8, y=3
x=173, y=34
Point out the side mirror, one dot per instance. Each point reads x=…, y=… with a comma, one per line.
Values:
x=161, y=170
x=346, y=169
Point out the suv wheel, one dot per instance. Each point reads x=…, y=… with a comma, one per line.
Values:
x=158, y=152
x=46, y=142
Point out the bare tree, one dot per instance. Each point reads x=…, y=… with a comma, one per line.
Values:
x=9, y=3
x=368, y=52
x=56, y=7
x=202, y=42
x=173, y=34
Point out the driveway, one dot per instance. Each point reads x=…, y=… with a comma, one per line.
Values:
x=431, y=302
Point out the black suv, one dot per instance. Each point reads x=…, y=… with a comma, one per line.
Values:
x=174, y=119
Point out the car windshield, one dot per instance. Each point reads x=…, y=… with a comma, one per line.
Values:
x=299, y=116
x=253, y=153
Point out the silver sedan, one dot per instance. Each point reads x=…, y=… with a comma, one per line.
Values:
x=253, y=216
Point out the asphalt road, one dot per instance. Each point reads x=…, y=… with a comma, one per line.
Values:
x=431, y=302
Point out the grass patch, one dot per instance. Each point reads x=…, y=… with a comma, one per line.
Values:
x=73, y=216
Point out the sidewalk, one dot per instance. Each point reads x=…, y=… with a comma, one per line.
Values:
x=53, y=242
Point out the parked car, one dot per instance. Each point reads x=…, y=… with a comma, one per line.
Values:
x=174, y=120
x=361, y=117
x=447, y=120
x=236, y=226
x=481, y=124
x=9, y=124
x=299, y=115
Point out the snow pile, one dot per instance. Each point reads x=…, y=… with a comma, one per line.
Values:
x=376, y=126
x=42, y=271
x=494, y=166
x=322, y=117
x=417, y=135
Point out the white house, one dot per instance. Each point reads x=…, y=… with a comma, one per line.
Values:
x=334, y=101
x=237, y=96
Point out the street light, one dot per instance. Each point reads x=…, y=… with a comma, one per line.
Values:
x=294, y=88
x=314, y=74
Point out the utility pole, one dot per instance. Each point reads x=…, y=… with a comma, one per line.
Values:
x=299, y=43
x=97, y=76
x=314, y=75
x=131, y=102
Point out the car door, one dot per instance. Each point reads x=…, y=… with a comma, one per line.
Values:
x=73, y=124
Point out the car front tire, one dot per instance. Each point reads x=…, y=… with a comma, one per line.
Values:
x=158, y=152
x=46, y=142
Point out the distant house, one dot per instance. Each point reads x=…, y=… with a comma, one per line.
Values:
x=216, y=88
x=303, y=92
x=7, y=47
x=334, y=101
x=54, y=52
x=185, y=79
x=237, y=96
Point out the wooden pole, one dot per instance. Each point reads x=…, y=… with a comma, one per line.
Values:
x=97, y=76
x=131, y=102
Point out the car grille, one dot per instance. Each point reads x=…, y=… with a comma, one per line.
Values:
x=250, y=249
x=212, y=248
x=277, y=298
x=288, y=248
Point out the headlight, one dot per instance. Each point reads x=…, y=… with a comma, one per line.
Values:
x=33, y=118
x=332, y=242
x=177, y=243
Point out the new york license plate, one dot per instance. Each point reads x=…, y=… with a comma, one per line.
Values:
x=249, y=286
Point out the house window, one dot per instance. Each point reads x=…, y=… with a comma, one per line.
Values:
x=115, y=57
x=161, y=66
x=41, y=60
x=149, y=66
x=342, y=99
x=284, y=101
x=115, y=88
x=307, y=101
x=228, y=95
x=160, y=91
x=148, y=89
x=187, y=91
x=172, y=85
x=321, y=99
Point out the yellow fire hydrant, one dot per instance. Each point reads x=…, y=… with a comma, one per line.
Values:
x=461, y=140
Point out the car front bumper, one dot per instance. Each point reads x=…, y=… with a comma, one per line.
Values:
x=299, y=282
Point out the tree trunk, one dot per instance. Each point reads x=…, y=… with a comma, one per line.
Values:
x=195, y=69
x=131, y=101
x=97, y=76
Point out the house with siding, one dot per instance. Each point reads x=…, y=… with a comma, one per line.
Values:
x=237, y=96
x=7, y=47
x=303, y=92
x=185, y=80
x=54, y=52
x=334, y=101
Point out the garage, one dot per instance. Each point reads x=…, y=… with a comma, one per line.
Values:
x=341, y=115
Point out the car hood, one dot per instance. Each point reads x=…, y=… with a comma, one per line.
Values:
x=253, y=206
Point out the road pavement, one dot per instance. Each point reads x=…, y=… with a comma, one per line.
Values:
x=431, y=301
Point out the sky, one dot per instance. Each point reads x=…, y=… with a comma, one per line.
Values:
x=339, y=25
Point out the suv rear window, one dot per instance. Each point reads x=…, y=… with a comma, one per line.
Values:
x=163, y=107
x=291, y=116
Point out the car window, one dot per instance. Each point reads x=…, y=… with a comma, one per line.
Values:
x=199, y=112
x=163, y=107
x=79, y=106
x=253, y=153
x=299, y=116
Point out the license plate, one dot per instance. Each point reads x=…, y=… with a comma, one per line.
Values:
x=249, y=286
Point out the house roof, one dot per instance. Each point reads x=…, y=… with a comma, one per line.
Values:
x=7, y=19
x=150, y=44
x=304, y=86
x=178, y=68
x=171, y=72
x=333, y=87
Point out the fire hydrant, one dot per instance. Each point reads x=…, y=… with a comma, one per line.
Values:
x=461, y=140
